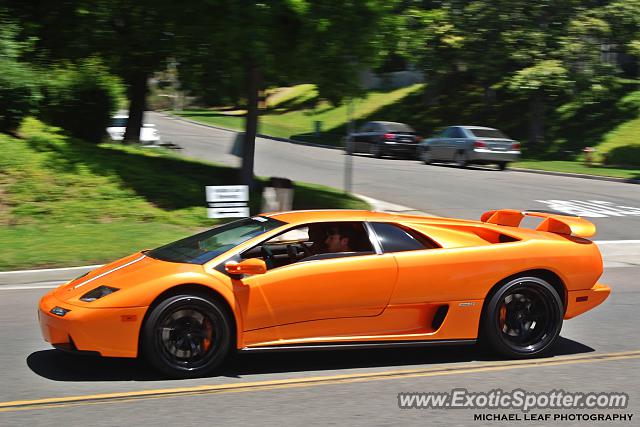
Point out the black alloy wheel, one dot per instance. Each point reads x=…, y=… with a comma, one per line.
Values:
x=523, y=318
x=186, y=336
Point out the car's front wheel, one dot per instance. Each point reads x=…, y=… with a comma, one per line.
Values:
x=186, y=336
x=376, y=151
x=523, y=318
x=502, y=165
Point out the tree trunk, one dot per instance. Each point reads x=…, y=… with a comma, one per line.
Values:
x=536, y=120
x=137, y=101
x=251, y=124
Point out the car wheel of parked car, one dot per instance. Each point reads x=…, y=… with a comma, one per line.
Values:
x=349, y=147
x=461, y=159
x=523, y=318
x=186, y=336
x=376, y=151
x=426, y=157
x=502, y=165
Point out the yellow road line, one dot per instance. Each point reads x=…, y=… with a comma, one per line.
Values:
x=240, y=387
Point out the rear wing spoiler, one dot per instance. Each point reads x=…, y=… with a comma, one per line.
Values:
x=553, y=223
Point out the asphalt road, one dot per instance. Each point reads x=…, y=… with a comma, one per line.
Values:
x=599, y=352
x=438, y=189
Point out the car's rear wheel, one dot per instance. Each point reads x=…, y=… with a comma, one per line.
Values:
x=460, y=159
x=426, y=156
x=186, y=336
x=523, y=318
x=502, y=165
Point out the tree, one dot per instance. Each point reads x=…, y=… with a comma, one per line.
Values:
x=254, y=44
x=134, y=39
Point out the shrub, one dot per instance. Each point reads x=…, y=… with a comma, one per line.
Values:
x=81, y=99
x=626, y=155
x=19, y=94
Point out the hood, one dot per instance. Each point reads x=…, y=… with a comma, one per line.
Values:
x=132, y=271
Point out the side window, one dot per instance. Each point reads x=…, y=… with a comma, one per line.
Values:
x=458, y=133
x=312, y=242
x=394, y=238
x=365, y=128
x=447, y=133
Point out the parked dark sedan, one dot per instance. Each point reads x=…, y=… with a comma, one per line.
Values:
x=470, y=144
x=382, y=139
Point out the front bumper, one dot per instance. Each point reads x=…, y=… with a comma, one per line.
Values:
x=111, y=332
x=581, y=301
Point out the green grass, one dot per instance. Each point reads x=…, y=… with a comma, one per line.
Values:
x=578, y=167
x=627, y=134
x=66, y=202
x=296, y=120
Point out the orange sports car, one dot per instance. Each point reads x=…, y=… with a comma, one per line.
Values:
x=333, y=279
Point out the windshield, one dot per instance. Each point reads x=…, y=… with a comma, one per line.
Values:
x=488, y=133
x=203, y=247
x=399, y=127
x=119, y=122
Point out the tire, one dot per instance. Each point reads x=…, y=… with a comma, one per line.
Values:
x=460, y=159
x=426, y=157
x=523, y=318
x=502, y=165
x=186, y=336
x=349, y=148
x=376, y=151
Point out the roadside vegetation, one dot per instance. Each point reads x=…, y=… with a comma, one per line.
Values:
x=611, y=128
x=68, y=202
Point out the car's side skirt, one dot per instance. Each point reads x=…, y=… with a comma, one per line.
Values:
x=357, y=345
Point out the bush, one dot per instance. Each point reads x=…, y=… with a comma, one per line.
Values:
x=19, y=94
x=627, y=155
x=81, y=99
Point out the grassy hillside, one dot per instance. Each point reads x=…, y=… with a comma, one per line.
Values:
x=66, y=202
x=292, y=113
x=610, y=123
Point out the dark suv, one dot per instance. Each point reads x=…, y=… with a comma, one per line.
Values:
x=383, y=138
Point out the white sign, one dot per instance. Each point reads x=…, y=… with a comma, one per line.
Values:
x=227, y=193
x=227, y=201
x=590, y=208
x=238, y=212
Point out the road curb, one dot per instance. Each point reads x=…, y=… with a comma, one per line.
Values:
x=578, y=175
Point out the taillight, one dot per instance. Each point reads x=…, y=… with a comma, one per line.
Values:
x=479, y=144
x=389, y=136
x=515, y=146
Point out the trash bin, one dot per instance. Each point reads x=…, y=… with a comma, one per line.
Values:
x=277, y=195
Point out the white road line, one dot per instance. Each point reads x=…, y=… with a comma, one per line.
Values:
x=616, y=242
x=21, y=288
x=44, y=270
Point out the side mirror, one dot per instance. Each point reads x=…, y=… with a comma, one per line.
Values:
x=248, y=266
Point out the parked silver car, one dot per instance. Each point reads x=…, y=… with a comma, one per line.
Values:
x=464, y=145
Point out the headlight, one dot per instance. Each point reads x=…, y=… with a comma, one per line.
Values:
x=58, y=311
x=97, y=293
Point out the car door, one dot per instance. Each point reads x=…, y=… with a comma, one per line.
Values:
x=440, y=145
x=360, y=138
x=353, y=284
x=455, y=142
